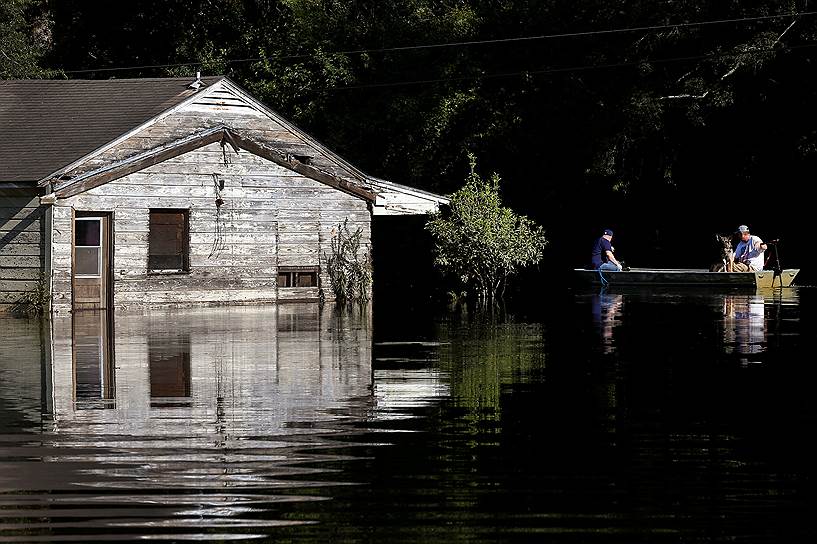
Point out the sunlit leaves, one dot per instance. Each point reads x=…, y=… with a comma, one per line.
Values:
x=481, y=242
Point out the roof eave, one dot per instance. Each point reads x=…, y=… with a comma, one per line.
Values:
x=18, y=184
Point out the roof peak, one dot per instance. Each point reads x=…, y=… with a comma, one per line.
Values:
x=208, y=79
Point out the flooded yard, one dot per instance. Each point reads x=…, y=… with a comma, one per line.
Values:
x=590, y=417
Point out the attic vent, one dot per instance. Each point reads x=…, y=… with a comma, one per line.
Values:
x=216, y=98
x=221, y=99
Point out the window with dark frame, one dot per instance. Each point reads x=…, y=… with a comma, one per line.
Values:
x=297, y=276
x=169, y=241
x=88, y=247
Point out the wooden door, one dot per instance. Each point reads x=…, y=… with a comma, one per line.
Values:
x=91, y=261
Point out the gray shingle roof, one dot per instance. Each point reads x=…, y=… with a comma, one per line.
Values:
x=48, y=124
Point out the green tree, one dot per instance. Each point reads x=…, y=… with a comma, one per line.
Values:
x=153, y=37
x=25, y=36
x=481, y=242
x=688, y=79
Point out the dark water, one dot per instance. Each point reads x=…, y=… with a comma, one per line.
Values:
x=583, y=417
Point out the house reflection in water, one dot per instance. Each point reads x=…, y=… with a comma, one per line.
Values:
x=93, y=360
x=169, y=359
x=170, y=369
x=206, y=412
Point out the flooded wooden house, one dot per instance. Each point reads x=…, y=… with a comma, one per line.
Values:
x=139, y=192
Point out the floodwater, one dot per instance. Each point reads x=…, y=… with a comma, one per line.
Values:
x=588, y=417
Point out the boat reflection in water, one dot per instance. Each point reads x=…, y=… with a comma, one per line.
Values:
x=607, y=311
x=744, y=324
x=195, y=421
x=746, y=319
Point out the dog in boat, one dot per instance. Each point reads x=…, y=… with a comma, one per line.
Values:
x=727, y=255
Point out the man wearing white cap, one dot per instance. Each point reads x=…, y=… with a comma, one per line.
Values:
x=750, y=249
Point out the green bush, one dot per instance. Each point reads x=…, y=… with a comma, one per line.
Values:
x=349, y=266
x=481, y=242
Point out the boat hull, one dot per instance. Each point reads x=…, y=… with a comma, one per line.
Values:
x=679, y=277
x=786, y=277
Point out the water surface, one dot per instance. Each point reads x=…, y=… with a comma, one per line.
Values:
x=589, y=417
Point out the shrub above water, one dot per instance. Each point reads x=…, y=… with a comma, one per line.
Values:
x=481, y=242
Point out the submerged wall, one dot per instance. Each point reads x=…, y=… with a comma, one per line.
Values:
x=22, y=254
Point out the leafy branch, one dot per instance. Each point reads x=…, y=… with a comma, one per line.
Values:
x=349, y=266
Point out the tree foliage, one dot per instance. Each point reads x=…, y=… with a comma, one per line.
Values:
x=25, y=36
x=482, y=242
x=661, y=113
x=408, y=113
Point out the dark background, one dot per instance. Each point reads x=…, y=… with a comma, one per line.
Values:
x=667, y=122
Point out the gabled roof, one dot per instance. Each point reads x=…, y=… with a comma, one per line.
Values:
x=223, y=134
x=47, y=124
x=71, y=136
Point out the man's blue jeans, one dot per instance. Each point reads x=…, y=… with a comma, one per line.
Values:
x=608, y=267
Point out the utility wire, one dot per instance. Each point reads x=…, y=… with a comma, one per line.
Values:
x=571, y=68
x=575, y=34
x=462, y=44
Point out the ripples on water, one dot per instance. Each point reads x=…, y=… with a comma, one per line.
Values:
x=598, y=416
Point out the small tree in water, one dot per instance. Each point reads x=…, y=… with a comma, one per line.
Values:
x=482, y=242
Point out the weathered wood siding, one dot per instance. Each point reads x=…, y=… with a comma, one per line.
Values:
x=270, y=216
x=219, y=105
x=22, y=227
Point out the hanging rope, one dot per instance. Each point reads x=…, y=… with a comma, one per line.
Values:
x=218, y=239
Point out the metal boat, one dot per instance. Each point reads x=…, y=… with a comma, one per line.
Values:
x=687, y=277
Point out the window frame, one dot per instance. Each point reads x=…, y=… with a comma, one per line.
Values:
x=98, y=247
x=185, y=237
x=293, y=271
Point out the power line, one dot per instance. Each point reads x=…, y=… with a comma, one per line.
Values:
x=573, y=34
x=463, y=43
x=580, y=68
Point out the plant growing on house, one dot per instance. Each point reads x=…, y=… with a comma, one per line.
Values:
x=481, y=242
x=32, y=302
x=349, y=266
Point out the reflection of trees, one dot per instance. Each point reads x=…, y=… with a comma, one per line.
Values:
x=485, y=354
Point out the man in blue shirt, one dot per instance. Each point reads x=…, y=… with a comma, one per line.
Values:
x=603, y=258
